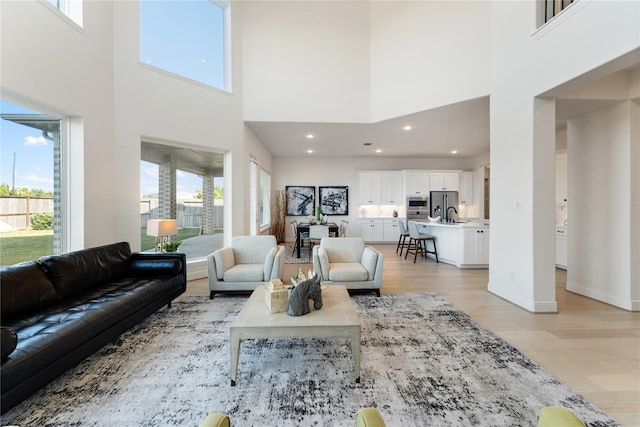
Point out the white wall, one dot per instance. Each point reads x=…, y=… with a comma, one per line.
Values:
x=306, y=61
x=52, y=65
x=602, y=252
x=416, y=46
x=93, y=75
x=527, y=63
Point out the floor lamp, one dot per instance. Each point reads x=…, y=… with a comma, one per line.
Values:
x=162, y=230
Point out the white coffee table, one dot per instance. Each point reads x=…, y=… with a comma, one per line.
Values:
x=336, y=318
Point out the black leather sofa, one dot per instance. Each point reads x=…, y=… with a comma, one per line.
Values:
x=61, y=309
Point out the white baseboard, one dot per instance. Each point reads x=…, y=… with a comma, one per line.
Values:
x=632, y=305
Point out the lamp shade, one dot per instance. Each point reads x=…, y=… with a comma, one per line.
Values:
x=162, y=227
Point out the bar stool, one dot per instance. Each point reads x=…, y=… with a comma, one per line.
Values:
x=419, y=241
x=404, y=233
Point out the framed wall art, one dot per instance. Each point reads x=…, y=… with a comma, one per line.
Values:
x=301, y=200
x=334, y=200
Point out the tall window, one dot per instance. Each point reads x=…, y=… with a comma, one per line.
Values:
x=71, y=8
x=187, y=38
x=30, y=185
x=551, y=8
x=260, y=190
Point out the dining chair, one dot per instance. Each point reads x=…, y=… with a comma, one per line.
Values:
x=304, y=236
x=418, y=243
x=342, y=230
x=316, y=233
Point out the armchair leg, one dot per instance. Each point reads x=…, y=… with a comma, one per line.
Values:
x=211, y=294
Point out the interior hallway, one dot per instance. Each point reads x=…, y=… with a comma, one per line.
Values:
x=592, y=347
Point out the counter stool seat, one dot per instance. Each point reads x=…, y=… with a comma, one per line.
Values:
x=418, y=243
x=402, y=240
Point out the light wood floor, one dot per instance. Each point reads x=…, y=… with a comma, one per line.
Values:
x=592, y=347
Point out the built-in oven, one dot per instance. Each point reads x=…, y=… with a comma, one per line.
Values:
x=417, y=207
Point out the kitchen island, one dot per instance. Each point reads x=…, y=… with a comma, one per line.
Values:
x=463, y=244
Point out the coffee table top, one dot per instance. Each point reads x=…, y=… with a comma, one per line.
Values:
x=337, y=310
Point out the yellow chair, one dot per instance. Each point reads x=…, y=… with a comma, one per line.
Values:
x=369, y=417
x=555, y=416
x=216, y=420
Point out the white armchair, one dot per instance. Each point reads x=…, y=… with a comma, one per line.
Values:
x=348, y=261
x=247, y=263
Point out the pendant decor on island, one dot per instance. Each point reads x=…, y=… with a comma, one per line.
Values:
x=302, y=293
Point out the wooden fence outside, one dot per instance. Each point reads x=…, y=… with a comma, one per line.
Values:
x=17, y=211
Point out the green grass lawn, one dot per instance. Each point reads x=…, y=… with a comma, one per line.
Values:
x=29, y=245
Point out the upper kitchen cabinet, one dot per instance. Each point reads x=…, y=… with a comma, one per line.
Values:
x=466, y=188
x=445, y=181
x=370, y=185
x=417, y=183
x=561, y=177
x=391, y=188
x=381, y=188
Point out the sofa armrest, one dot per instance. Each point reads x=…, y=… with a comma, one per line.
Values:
x=277, y=270
x=369, y=260
x=321, y=258
x=222, y=259
x=158, y=264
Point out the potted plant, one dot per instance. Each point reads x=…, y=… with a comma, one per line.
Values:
x=171, y=246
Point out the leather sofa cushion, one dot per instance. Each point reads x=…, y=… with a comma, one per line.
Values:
x=8, y=341
x=55, y=331
x=24, y=288
x=77, y=271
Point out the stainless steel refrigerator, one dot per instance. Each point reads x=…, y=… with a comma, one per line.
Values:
x=444, y=204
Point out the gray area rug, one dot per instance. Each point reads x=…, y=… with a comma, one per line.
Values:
x=291, y=254
x=424, y=363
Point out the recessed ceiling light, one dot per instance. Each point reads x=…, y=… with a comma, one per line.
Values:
x=309, y=151
x=310, y=136
x=407, y=127
x=378, y=151
x=454, y=152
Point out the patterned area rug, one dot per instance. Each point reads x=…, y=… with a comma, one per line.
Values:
x=291, y=255
x=424, y=363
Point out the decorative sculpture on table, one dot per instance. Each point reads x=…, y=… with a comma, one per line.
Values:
x=302, y=293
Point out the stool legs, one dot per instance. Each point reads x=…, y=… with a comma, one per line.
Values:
x=401, y=243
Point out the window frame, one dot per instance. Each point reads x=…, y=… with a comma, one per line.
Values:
x=227, y=86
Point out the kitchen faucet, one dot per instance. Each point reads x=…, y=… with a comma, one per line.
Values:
x=447, y=218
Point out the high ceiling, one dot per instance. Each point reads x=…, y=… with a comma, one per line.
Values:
x=434, y=133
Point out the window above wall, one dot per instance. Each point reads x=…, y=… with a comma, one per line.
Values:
x=71, y=8
x=187, y=38
x=549, y=9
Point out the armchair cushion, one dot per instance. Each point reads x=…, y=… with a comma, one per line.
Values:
x=369, y=261
x=224, y=260
x=348, y=272
x=245, y=273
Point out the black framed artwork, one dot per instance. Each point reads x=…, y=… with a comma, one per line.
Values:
x=334, y=200
x=301, y=200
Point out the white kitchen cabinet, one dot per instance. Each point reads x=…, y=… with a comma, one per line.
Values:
x=417, y=183
x=466, y=188
x=475, y=246
x=372, y=230
x=444, y=181
x=561, y=178
x=370, y=186
x=446, y=241
x=381, y=188
x=561, y=247
x=391, y=230
x=391, y=188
